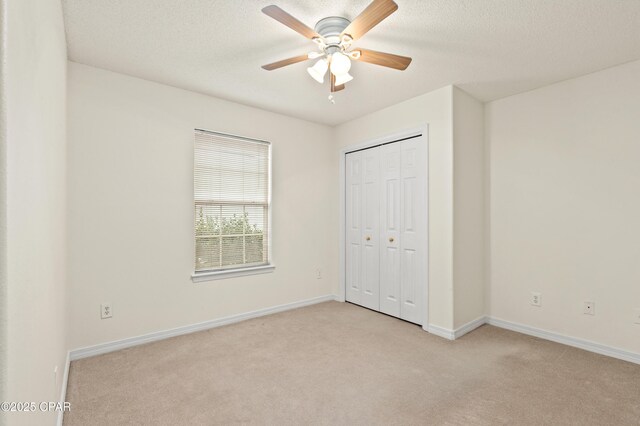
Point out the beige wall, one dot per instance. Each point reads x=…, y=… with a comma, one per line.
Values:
x=4, y=278
x=557, y=207
x=131, y=207
x=434, y=109
x=565, y=206
x=34, y=93
x=468, y=208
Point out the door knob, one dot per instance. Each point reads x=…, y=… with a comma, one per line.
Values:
x=368, y=238
x=390, y=239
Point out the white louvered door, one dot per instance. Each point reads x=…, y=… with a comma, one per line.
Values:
x=386, y=220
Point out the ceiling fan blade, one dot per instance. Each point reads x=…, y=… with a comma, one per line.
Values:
x=385, y=59
x=370, y=17
x=283, y=17
x=285, y=62
x=335, y=88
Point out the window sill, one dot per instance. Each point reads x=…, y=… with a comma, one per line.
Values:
x=198, y=277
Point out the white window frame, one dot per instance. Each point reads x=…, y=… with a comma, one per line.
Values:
x=203, y=276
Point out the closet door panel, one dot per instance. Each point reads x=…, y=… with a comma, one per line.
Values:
x=370, y=296
x=353, y=212
x=386, y=217
x=412, y=230
x=390, y=229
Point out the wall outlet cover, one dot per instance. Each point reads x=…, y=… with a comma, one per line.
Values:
x=636, y=317
x=536, y=299
x=106, y=311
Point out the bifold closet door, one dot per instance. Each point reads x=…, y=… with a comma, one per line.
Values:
x=353, y=213
x=413, y=229
x=363, y=228
x=403, y=234
x=386, y=225
x=390, y=230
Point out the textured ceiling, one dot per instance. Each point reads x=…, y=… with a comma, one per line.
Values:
x=490, y=48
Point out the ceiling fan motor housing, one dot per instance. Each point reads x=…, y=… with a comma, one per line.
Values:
x=330, y=29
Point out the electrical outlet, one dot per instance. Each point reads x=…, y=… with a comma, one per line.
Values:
x=318, y=274
x=536, y=299
x=589, y=308
x=106, y=311
x=636, y=318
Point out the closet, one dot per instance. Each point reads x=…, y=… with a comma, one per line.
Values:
x=386, y=228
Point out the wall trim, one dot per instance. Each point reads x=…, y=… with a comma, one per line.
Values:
x=115, y=345
x=469, y=327
x=198, y=277
x=575, y=342
x=458, y=332
x=63, y=391
x=440, y=331
x=587, y=345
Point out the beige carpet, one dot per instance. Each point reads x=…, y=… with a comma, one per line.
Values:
x=336, y=363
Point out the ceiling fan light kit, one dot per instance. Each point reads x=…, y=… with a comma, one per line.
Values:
x=318, y=70
x=340, y=64
x=343, y=78
x=333, y=36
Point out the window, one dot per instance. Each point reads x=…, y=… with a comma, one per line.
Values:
x=232, y=197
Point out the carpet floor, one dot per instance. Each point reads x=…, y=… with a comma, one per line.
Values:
x=339, y=364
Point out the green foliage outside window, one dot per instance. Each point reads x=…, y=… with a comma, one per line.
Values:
x=226, y=241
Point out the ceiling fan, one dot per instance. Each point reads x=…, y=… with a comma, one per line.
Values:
x=333, y=36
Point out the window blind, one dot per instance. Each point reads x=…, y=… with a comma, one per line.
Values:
x=231, y=188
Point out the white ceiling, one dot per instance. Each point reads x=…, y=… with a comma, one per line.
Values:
x=490, y=48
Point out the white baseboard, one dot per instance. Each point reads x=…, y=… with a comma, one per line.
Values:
x=566, y=340
x=441, y=332
x=63, y=391
x=536, y=332
x=104, y=348
x=468, y=327
x=431, y=328
x=458, y=332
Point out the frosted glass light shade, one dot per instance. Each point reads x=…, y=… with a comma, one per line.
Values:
x=318, y=70
x=340, y=64
x=343, y=78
